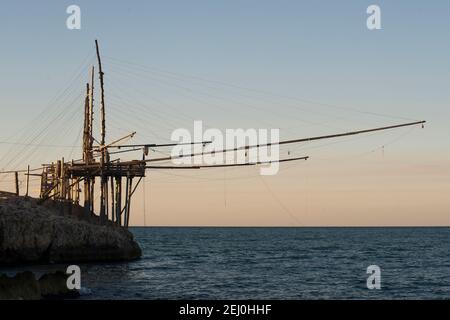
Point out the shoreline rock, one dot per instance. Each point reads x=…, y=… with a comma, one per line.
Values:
x=25, y=286
x=40, y=233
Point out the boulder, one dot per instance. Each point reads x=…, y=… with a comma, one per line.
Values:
x=32, y=232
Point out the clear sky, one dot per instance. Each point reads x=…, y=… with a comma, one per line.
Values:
x=306, y=67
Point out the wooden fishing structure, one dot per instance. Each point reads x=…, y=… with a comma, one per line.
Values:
x=64, y=181
x=72, y=182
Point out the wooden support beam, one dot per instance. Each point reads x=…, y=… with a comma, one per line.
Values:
x=69, y=188
x=57, y=177
x=16, y=175
x=127, y=192
x=87, y=144
x=43, y=182
x=86, y=191
x=63, y=190
x=103, y=183
x=86, y=137
x=28, y=180
x=130, y=193
x=102, y=95
x=118, y=200
x=91, y=196
x=54, y=195
x=62, y=176
x=87, y=195
x=106, y=199
x=91, y=114
x=129, y=201
x=113, y=211
x=103, y=194
x=77, y=197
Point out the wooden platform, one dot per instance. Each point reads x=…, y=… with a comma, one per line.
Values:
x=128, y=169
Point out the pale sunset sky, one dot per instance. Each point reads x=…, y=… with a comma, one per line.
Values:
x=306, y=67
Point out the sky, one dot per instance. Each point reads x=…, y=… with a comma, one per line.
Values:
x=305, y=67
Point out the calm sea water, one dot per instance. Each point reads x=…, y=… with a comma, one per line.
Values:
x=277, y=263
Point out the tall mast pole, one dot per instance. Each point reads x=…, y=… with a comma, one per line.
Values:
x=86, y=147
x=102, y=95
x=91, y=114
x=86, y=137
x=103, y=185
x=88, y=143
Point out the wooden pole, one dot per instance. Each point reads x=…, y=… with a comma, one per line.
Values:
x=71, y=186
x=112, y=201
x=62, y=176
x=91, y=114
x=127, y=192
x=103, y=183
x=87, y=196
x=54, y=182
x=28, y=180
x=43, y=182
x=63, y=190
x=102, y=95
x=86, y=137
x=106, y=199
x=77, y=193
x=16, y=174
x=118, y=200
x=89, y=181
x=103, y=192
x=129, y=201
x=58, y=179
x=92, y=193
x=86, y=146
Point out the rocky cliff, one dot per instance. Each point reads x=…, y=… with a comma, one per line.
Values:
x=33, y=232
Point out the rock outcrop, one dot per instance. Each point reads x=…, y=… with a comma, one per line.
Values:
x=25, y=286
x=54, y=286
x=22, y=286
x=32, y=232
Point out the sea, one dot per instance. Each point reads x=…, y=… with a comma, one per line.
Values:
x=276, y=263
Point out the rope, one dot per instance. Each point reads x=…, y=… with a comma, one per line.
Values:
x=280, y=203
